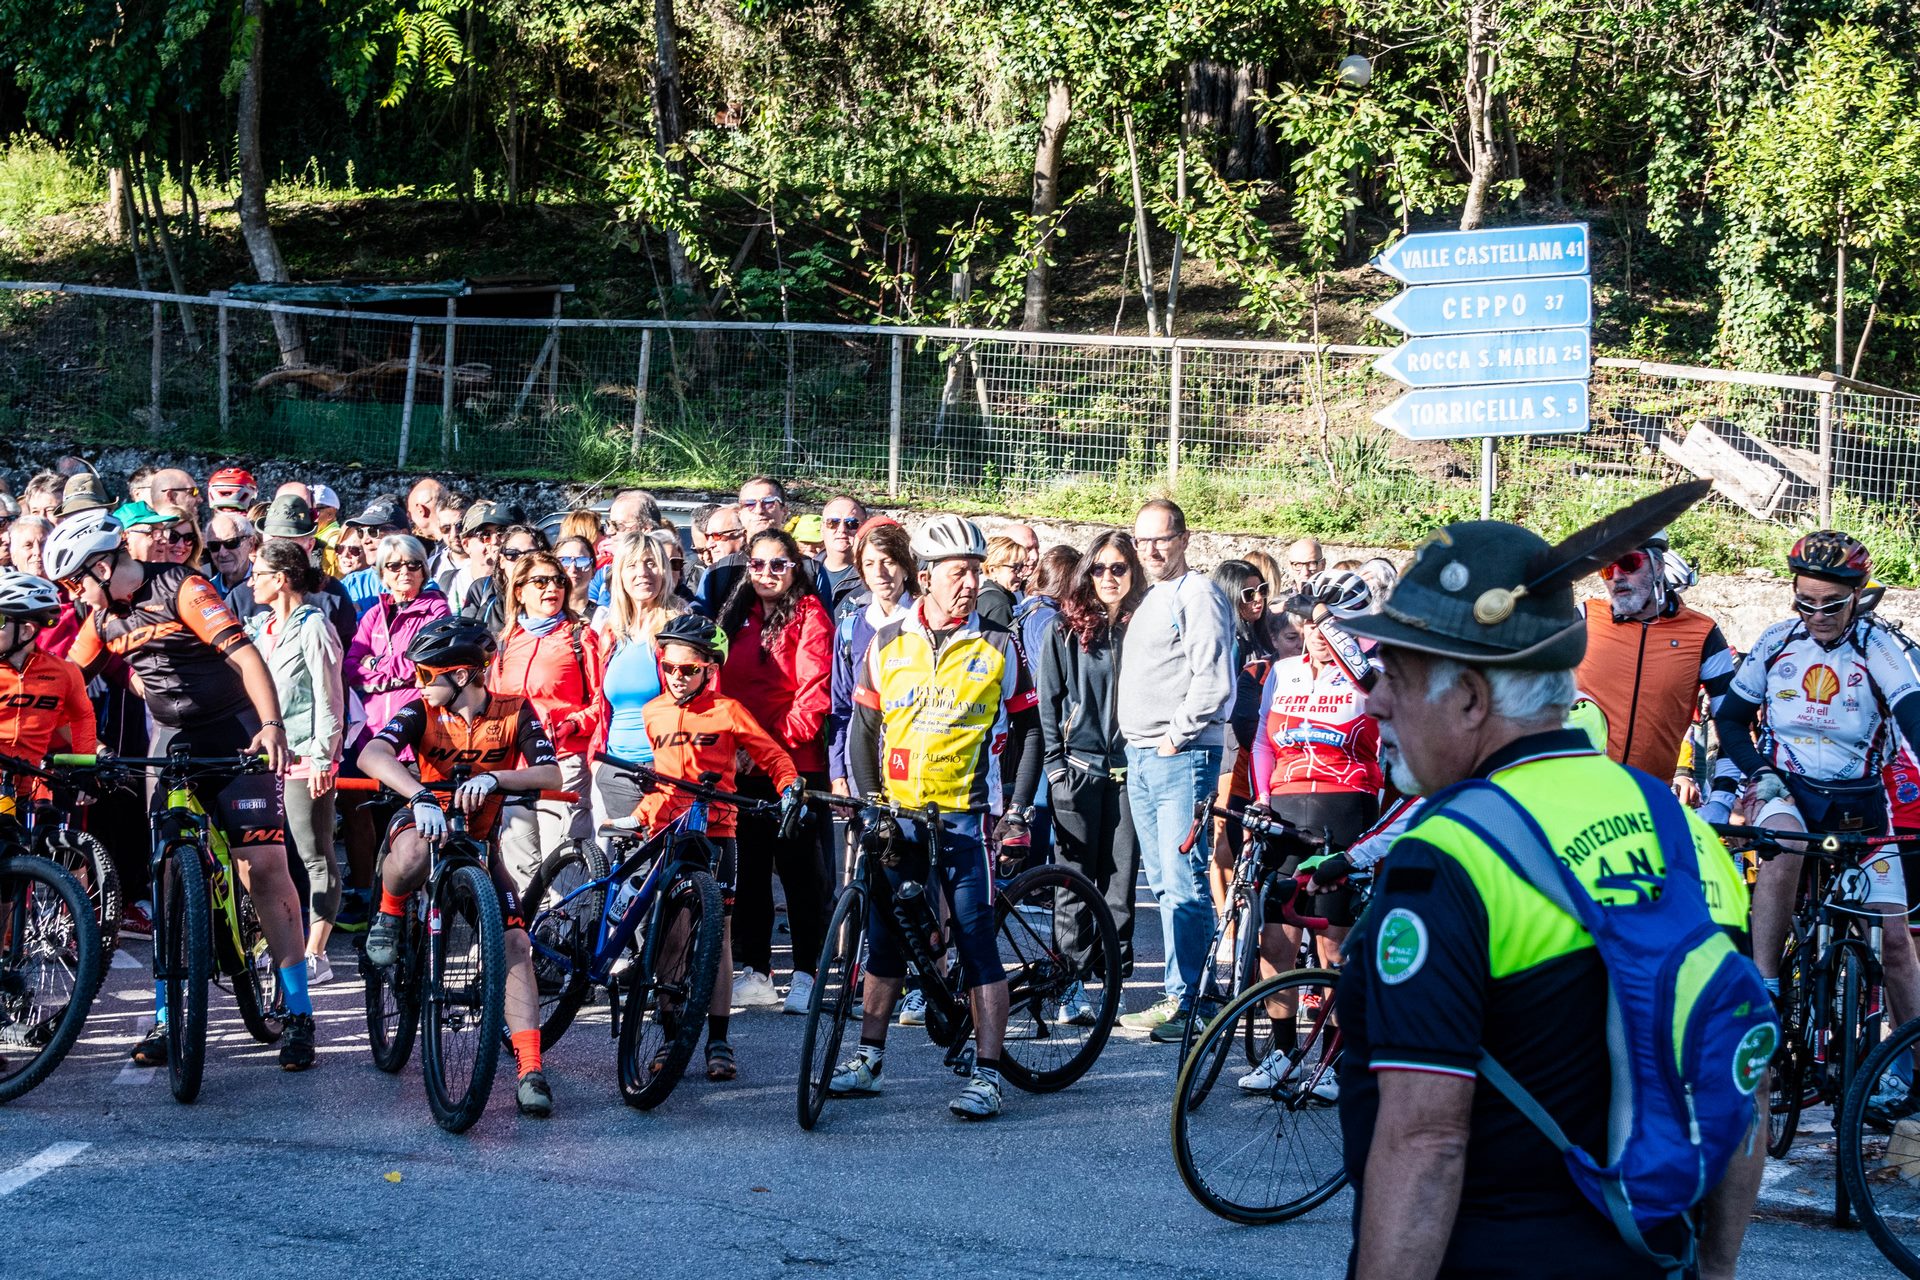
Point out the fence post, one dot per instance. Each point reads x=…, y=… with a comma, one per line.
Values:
x=1173, y=420
x=1486, y=477
x=640, y=383
x=406, y=403
x=896, y=414
x=446, y=389
x=1826, y=456
x=153, y=372
x=226, y=373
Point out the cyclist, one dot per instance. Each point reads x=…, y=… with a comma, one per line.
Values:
x=1834, y=681
x=209, y=692
x=695, y=730
x=43, y=699
x=935, y=694
x=457, y=722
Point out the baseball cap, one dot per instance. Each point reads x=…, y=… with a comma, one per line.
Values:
x=483, y=513
x=132, y=515
x=324, y=496
x=381, y=513
x=288, y=517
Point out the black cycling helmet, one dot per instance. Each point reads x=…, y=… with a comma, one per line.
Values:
x=1833, y=557
x=453, y=642
x=695, y=632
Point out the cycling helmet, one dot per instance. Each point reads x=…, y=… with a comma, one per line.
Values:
x=696, y=633
x=78, y=541
x=453, y=642
x=28, y=598
x=948, y=538
x=1832, y=556
x=1677, y=573
x=1344, y=592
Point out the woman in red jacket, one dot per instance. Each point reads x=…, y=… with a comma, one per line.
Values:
x=780, y=664
x=552, y=658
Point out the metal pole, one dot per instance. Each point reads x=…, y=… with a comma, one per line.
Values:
x=640, y=389
x=1173, y=420
x=153, y=372
x=553, y=369
x=406, y=404
x=896, y=414
x=1826, y=458
x=1486, y=477
x=226, y=373
x=446, y=388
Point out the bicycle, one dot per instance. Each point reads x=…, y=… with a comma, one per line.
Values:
x=1045, y=1050
x=1269, y=1153
x=647, y=929
x=205, y=925
x=1879, y=1149
x=448, y=979
x=49, y=832
x=51, y=964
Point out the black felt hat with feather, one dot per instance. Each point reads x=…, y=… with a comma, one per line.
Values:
x=1495, y=594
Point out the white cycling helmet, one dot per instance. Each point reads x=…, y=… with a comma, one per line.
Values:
x=24, y=596
x=1344, y=592
x=79, y=540
x=1677, y=573
x=948, y=538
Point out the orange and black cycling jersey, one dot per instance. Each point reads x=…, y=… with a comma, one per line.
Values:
x=704, y=736
x=176, y=636
x=505, y=735
x=44, y=708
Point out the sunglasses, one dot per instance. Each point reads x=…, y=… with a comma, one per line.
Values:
x=543, y=580
x=776, y=566
x=513, y=553
x=487, y=535
x=1117, y=570
x=576, y=562
x=725, y=535
x=178, y=537
x=1258, y=591
x=225, y=544
x=848, y=523
x=189, y=490
x=403, y=566
x=424, y=675
x=686, y=670
x=1632, y=562
x=762, y=504
x=1808, y=609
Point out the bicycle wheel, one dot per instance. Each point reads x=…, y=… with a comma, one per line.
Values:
x=186, y=963
x=256, y=984
x=1225, y=971
x=672, y=985
x=1851, y=1015
x=1045, y=1050
x=393, y=998
x=50, y=966
x=563, y=934
x=86, y=860
x=1269, y=1148
x=831, y=1006
x=1878, y=1138
x=466, y=998
x=1786, y=1090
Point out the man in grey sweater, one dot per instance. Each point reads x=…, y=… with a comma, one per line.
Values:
x=1175, y=694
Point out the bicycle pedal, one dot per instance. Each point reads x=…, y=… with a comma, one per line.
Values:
x=961, y=1060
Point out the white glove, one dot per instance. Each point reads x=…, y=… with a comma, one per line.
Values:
x=476, y=789
x=1718, y=809
x=1769, y=786
x=429, y=819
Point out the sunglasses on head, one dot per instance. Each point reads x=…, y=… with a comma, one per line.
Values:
x=1118, y=569
x=545, y=580
x=776, y=566
x=1258, y=591
x=683, y=669
x=225, y=544
x=1809, y=609
x=1632, y=562
x=576, y=562
x=403, y=566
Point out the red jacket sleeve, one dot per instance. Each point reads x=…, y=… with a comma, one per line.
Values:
x=596, y=674
x=760, y=747
x=812, y=674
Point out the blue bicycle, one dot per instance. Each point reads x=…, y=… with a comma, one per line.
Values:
x=647, y=928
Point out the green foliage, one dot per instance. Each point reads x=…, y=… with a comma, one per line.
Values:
x=38, y=181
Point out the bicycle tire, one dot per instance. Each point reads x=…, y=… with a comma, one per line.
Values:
x=49, y=944
x=462, y=1001
x=1850, y=1017
x=1271, y=1111
x=830, y=1007
x=1232, y=926
x=562, y=937
x=1787, y=1081
x=681, y=958
x=187, y=961
x=1039, y=1056
x=393, y=998
x=257, y=978
x=1870, y=1168
x=86, y=859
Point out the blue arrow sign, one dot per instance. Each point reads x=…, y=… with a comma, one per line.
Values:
x=1467, y=359
x=1497, y=253
x=1451, y=413
x=1551, y=303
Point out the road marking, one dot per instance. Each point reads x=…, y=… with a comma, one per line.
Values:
x=133, y=1072
x=46, y=1162
x=121, y=960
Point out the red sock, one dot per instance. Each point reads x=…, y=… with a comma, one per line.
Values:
x=390, y=905
x=526, y=1047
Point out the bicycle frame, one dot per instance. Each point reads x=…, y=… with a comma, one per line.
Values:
x=611, y=934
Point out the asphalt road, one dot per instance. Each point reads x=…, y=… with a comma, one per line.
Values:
x=341, y=1171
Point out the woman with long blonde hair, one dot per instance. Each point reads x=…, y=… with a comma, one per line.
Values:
x=643, y=599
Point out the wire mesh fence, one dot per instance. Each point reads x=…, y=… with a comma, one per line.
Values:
x=1260, y=434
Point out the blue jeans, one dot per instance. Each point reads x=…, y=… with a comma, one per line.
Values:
x=1162, y=791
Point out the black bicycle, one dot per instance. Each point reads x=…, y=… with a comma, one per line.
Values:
x=50, y=963
x=1061, y=1010
x=50, y=833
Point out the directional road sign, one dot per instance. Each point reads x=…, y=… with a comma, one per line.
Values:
x=1465, y=359
x=1450, y=413
x=1498, y=253
x=1490, y=306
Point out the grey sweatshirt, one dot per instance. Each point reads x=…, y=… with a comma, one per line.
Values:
x=1176, y=666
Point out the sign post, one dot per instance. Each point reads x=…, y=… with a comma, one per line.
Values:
x=1499, y=323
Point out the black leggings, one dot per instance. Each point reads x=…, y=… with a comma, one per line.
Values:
x=1343, y=817
x=802, y=863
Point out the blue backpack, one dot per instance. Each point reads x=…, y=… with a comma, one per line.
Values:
x=1690, y=1028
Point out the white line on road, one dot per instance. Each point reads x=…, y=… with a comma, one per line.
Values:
x=134, y=1073
x=46, y=1162
x=121, y=960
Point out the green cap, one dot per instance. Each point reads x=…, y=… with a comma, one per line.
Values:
x=133, y=514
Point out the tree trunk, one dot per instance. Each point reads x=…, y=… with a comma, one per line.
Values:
x=117, y=203
x=255, y=227
x=1840, y=297
x=1483, y=152
x=668, y=130
x=1047, y=158
x=1240, y=125
x=167, y=255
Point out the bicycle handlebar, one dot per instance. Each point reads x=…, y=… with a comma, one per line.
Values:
x=1288, y=889
x=239, y=762
x=1270, y=826
x=855, y=804
x=700, y=790
x=368, y=784
x=1826, y=845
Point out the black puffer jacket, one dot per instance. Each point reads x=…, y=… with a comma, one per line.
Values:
x=1077, y=694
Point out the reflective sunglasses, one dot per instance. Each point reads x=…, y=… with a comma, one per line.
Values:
x=1632, y=562
x=545, y=580
x=776, y=566
x=576, y=562
x=762, y=504
x=1258, y=591
x=848, y=523
x=725, y=535
x=1808, y=609
x=1119, y=569
x=225, y=544
x=403, y=566
x=686, y=669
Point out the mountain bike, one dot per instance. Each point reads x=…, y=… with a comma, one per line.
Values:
x=50, y=833
x=51, y=963
x=647, y=929
x=1050, y=1042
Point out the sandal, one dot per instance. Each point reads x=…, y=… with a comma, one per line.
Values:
x=720, y=1064
x=659, y=1062
x=152, y=1049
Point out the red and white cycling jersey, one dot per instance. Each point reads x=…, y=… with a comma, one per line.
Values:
x=1827, y=710
x=1315, y=733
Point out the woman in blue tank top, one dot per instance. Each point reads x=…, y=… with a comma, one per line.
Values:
x=641, y=583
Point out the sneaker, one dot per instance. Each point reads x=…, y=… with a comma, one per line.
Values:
x=1326, y=1089
x=1174, y=1029
x=913, y=1009
x=754, y=990
x=858, y=1077
x=137, y=921
x=1153, y=1015
x=1268, y=1075
x=799, y=994
x=296, y=1046
x=152, y=1049
x=1075, y=1009
x=1884, y=1113
x=354, y=913
x=319, y=969
x=980, y=1100
x=535, y=1095
x=383, y=940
